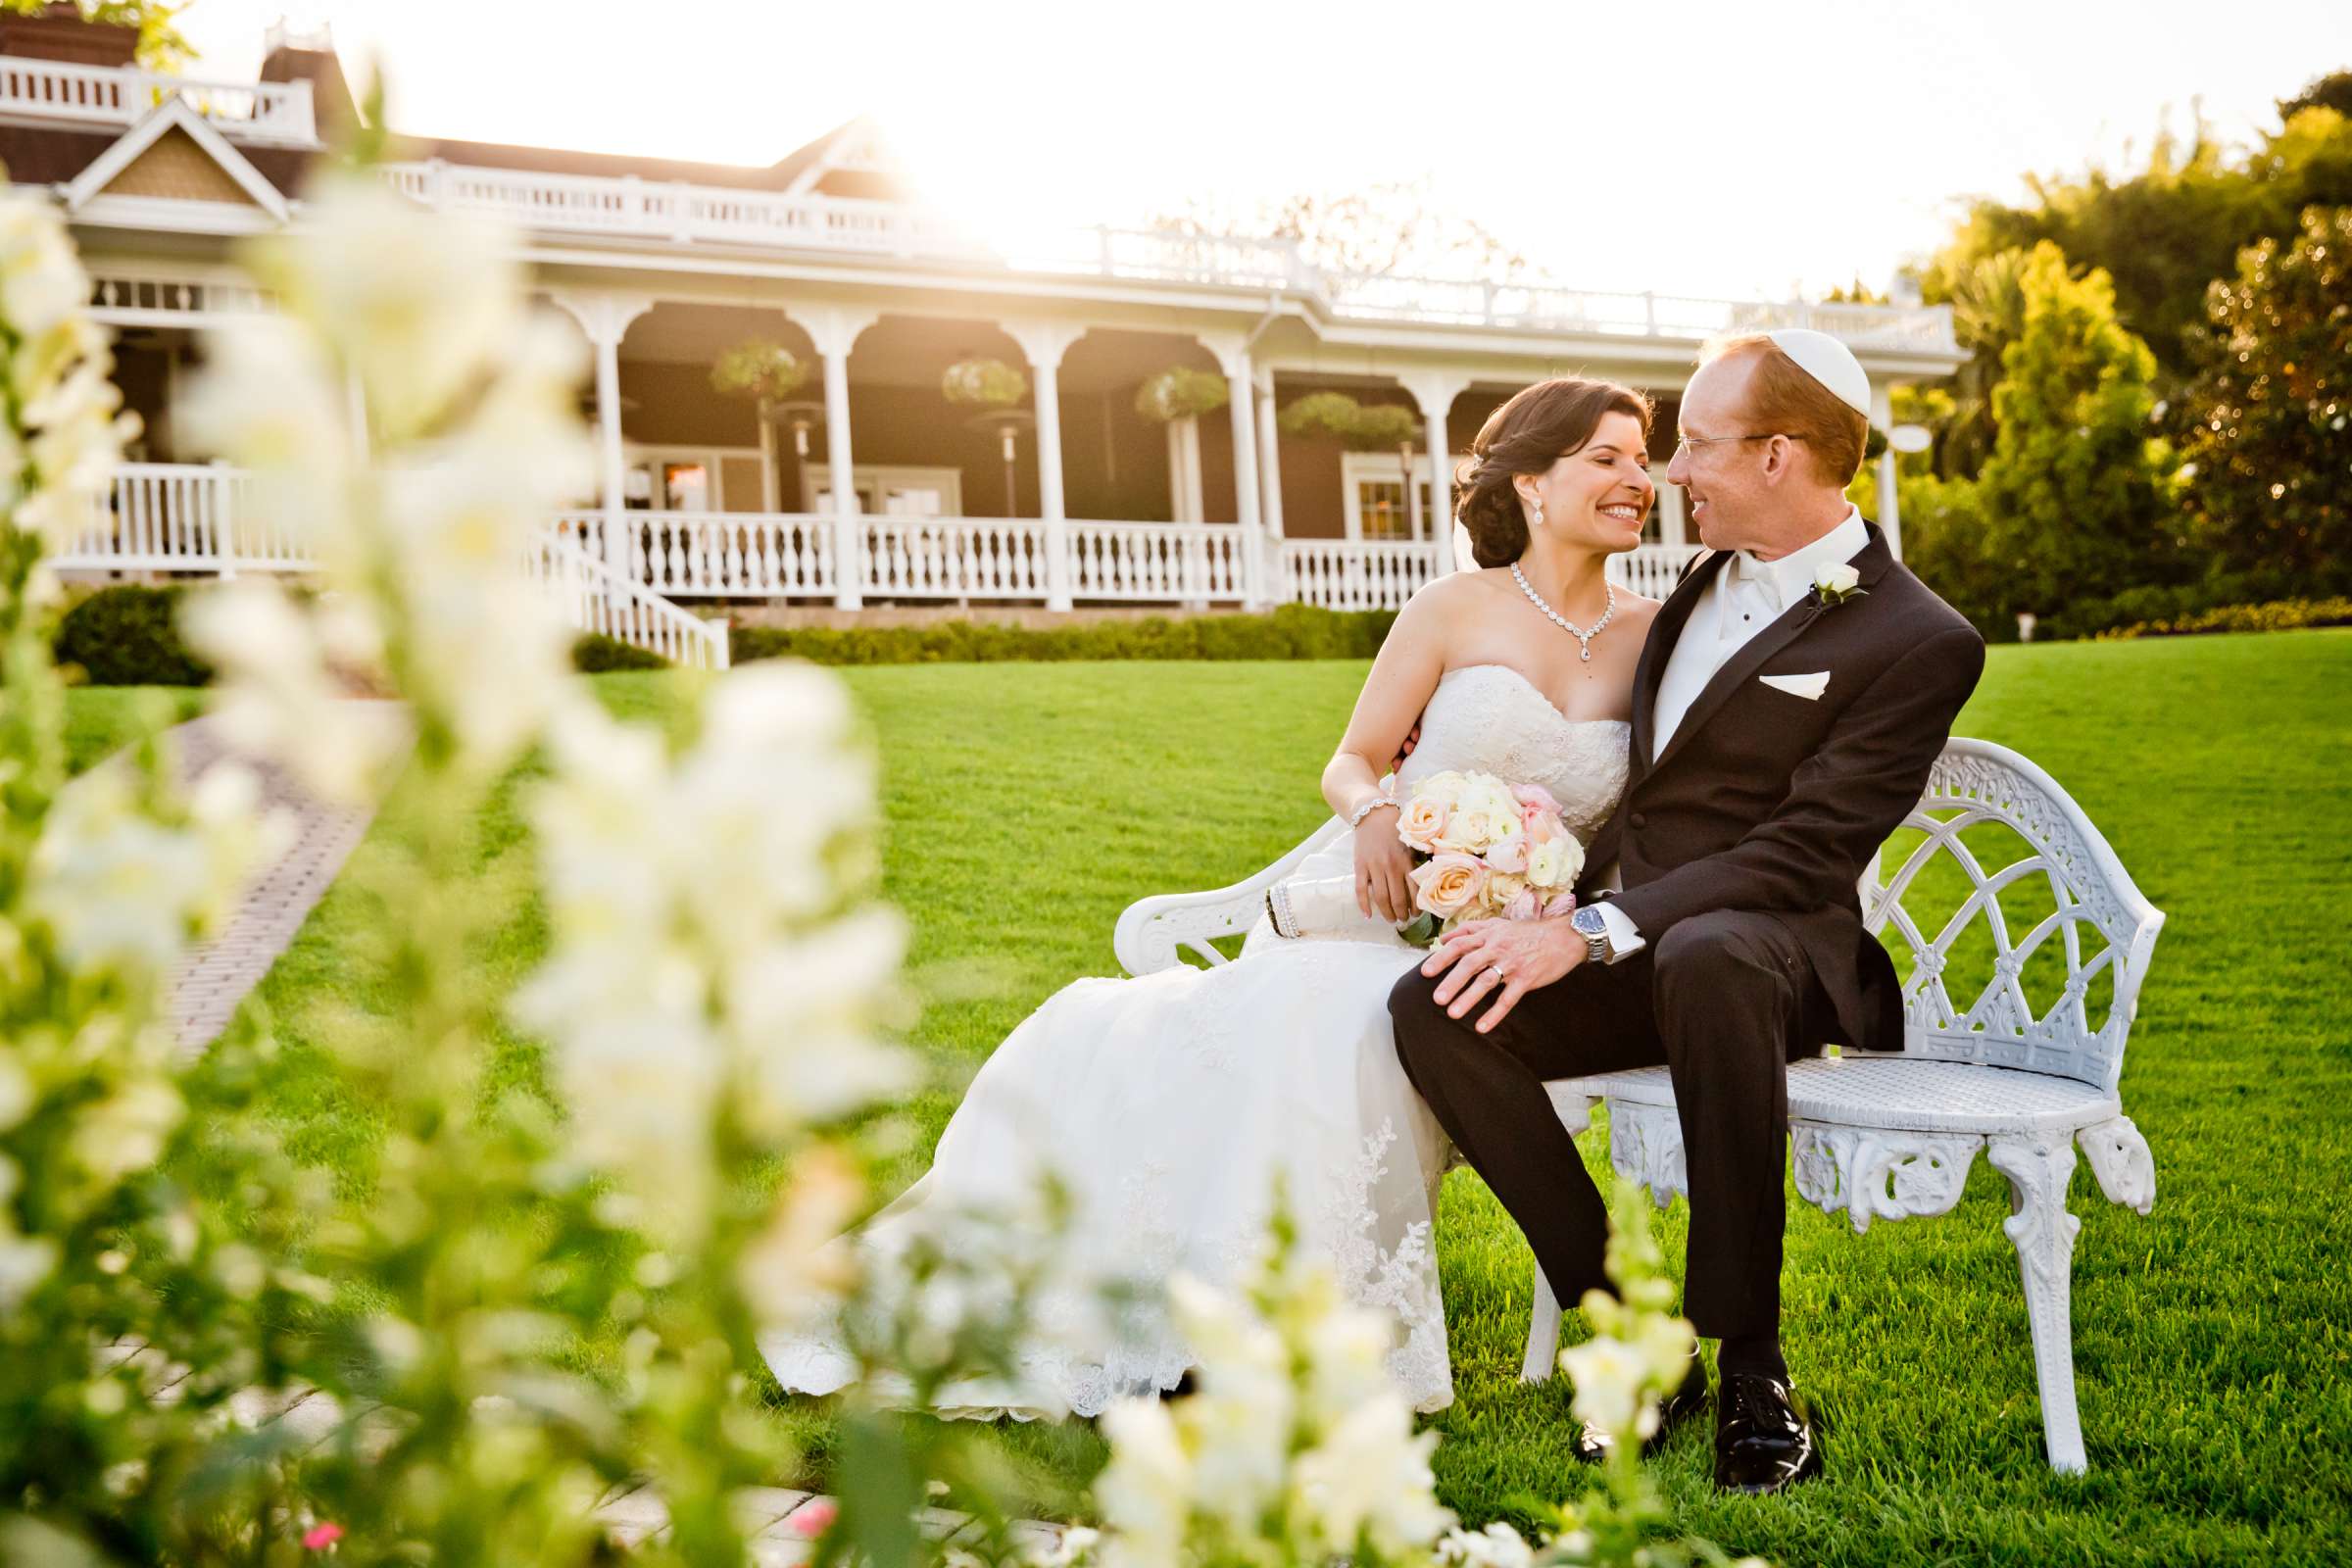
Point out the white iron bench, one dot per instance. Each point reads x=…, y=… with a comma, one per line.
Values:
x=1987, y=1064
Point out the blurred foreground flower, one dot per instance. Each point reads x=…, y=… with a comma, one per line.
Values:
x=1296, y=1449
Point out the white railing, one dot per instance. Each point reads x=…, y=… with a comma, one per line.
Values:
x=118, y=95
x=593, y=600
x=170, y=516
x=1651, y=569
x=717, y=554
x=1354, y=574
x=1195, y=563
x=686, y=213
x=953, y=557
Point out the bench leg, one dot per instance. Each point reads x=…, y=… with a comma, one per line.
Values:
x=1543, y=1333
x=2044, y=1233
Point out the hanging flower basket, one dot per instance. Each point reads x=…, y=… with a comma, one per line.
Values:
x=758, y=369
x=1180, y=392
x=1357, y=427
x=983, y=384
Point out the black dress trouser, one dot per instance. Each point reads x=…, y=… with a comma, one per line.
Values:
x=1725, y=1000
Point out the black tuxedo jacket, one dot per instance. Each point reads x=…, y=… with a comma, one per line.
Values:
x=1764, y=801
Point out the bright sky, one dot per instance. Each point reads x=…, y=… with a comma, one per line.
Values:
x=1699, y=147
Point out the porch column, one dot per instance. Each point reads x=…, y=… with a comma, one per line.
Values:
x=606, y=318
x=1044, y=343
x=1233, y=357
x=1891, y=518
x=1269, y=455
x=834, y=330
x=1434, y=393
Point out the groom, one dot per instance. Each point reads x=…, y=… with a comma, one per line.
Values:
x=1793, y=691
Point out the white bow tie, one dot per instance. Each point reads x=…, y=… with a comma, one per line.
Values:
x=1759, y=577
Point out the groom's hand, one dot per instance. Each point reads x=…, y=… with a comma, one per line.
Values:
x=1515, y=957
x=1413, y=738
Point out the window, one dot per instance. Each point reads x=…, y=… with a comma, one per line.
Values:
x=1372, y=495
x=890, y=492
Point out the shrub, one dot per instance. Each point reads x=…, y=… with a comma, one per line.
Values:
x=595, y=653
x=129, y=636
x=1293, y=631
x=2285, y=614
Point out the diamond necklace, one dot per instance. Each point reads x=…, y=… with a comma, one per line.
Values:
x=1584, y=638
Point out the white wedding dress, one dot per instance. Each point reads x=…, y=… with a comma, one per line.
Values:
x=1167, y=1105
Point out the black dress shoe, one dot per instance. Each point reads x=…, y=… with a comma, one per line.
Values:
x=1764, y=1440
x=1593, y=1445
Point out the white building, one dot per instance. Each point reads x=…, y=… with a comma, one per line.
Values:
x=868, y=487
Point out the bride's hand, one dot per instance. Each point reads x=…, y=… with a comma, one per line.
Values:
x=1382, y=863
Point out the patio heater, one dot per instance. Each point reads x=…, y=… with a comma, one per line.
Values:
x=1006, y=426
x=800, y=416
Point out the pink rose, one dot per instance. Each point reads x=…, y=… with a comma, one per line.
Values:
x=1508, y=853
x=1447, y=884
x=321, y=1537
x=1561, y=904
x=1534, y=797
x=815, y=1517
x=1523, y=905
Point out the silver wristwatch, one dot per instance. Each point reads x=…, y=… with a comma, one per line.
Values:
x=1596, y=932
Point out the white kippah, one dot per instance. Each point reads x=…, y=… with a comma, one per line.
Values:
x=1829, y=362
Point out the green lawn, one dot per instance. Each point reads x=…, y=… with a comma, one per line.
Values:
x=1030, y=803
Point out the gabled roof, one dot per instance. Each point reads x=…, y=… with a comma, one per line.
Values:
x=174, y=114
x=854, y=158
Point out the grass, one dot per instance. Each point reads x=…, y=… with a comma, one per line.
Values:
x=1029, y=804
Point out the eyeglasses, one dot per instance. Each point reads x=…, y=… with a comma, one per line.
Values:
x=1688, y=441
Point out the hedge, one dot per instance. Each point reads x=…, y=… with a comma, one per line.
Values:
x=128, y=635
x=1293, y=631
x=2285, y=614
x=595, y=653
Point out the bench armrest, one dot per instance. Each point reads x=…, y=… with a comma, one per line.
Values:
x=1151, y=930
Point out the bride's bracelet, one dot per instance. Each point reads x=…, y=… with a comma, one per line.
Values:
x=1355, y=819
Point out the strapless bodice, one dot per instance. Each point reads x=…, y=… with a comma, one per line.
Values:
x=1488, y=718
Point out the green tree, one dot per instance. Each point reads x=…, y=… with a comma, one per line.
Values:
x=160, y=46
x=2166, y=230
x=2268, y=433
x=2074, y=497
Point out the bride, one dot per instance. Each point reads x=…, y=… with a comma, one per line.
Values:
x=1168, y=1105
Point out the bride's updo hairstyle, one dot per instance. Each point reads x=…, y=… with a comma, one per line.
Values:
x=1535, y=428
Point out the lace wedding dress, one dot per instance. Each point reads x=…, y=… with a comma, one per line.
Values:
x=1168, y=1104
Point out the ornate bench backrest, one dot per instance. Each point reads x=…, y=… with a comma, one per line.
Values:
x=2022, y=940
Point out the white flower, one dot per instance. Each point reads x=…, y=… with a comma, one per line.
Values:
x=1836, y=577
x=416, y=306
x=276, y=697
x=1146, y=1492
x=794, y=1269
x=1608, y=1376
x=1497, y=1546
x=122, y=890
x=1370, y=1474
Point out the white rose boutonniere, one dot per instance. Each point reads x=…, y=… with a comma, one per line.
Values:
x=1833, y=583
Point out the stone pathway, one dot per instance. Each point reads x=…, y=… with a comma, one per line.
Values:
x=214, y=978
x=216, y=975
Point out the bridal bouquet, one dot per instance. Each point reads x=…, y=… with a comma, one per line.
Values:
x=1494, y=850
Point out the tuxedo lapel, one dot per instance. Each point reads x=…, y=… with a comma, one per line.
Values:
x=1869, y=566
x=1658, y=647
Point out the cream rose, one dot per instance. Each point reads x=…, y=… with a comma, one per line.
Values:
x=1468, y=831
x=1420, y=822
x=1836, y=577
x=1449, y=884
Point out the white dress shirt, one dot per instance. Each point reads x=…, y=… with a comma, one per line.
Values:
x=1746, y=596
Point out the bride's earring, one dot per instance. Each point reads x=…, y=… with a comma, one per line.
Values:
x=1538, y=521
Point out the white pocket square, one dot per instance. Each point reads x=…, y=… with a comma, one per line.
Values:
x=1810, y=687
